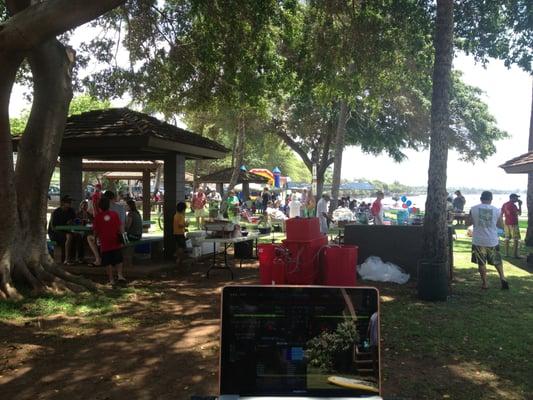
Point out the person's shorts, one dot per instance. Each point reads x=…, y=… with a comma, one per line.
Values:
x=486, y=255
x=113, y=257
x=199, y=213
x=511, y=232
x=180, y=241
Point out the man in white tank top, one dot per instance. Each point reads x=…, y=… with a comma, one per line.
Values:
x=485, y=242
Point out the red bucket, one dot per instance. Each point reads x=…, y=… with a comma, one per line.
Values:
x=278, y=272
x=302, y=229
x=266, y=254
x=303, y=260
x=339, y=266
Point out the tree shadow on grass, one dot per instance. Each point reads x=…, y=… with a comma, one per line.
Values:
x=477, y=345
x=161, y=343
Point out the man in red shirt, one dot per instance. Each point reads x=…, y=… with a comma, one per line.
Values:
x=377, y=208
x=199, y=200
x=107, y=228
x=510, y=215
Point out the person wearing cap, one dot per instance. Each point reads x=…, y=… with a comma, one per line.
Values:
x=322, y=213
x=198, y=203
x=63, y=215
x=95, y=199
x=377, y=209
x=486, y=220
x=511, y=229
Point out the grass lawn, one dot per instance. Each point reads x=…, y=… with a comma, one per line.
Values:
x=478, y=345
x=158, y=337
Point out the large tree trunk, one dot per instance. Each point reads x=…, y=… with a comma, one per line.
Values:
x=529, y=234
x=339, y=148
x=8, y=197
x=51, y=66
x=435, y=245
x=23, y=250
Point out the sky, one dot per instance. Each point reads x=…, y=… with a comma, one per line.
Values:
x=508, y=95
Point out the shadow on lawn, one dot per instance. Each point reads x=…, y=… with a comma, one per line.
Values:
x=161, y=344
x=477, y=345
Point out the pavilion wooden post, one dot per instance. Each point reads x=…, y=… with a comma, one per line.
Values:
x=70, y=179
x=174, y=172
x=146, y=195
x=220, y=189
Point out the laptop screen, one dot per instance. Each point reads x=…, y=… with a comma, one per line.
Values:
x=299, y=341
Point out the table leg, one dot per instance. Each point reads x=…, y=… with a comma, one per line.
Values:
x=225, y=266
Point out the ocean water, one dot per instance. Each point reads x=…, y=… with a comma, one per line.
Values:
x=419, y=201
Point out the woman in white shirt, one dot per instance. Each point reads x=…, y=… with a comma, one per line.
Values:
x=294, y=207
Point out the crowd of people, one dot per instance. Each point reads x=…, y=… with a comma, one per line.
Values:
x=113, y=223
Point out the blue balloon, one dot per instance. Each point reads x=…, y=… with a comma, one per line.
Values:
x=403, y=198
x=409, y=203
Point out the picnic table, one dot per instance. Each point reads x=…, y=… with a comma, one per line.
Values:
x=226, y=244
x=74, y=228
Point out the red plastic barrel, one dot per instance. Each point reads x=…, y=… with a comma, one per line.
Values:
x=302, y=229
x=303, y=260
x=278, y=272
x=266, y=254
x=339, y=266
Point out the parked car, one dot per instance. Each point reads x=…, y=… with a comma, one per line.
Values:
x=53, y=193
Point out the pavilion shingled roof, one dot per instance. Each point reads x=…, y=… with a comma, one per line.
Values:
x=224, y=176
x=125, y=122
x=519, y=165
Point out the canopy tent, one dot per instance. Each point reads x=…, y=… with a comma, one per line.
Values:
x=119, y=134
x=137, y=176
x=298, y=185
x=224, y=176
x=522, y=164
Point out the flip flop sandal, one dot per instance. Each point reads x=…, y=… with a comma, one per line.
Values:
x=93, y=265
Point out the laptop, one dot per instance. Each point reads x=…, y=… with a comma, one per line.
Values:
x=293, y=342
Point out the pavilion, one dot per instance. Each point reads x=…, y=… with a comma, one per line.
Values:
x=128, y=139
x=224, y=176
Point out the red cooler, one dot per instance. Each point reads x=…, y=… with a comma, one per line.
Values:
x=266, y=254
x=339, y=266
x=302, y=229
x=278, y=272
x=303, y=260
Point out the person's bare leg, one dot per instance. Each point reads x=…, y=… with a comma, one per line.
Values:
x=68, y=245
x=120, y=272
x=92, y=245
x=516, y=249
x=506, y=247
x=504, y=283
x=109, y=269
x=483, y=273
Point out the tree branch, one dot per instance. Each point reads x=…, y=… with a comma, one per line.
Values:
x=295, y=147
x=41, y=21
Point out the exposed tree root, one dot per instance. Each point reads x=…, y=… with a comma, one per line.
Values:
x=43, y=277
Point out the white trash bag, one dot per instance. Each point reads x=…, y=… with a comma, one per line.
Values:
x=374, y=269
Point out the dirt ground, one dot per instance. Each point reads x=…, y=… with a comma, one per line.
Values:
x=161, y=343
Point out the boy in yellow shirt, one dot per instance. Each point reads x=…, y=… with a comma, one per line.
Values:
x=179, y=225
